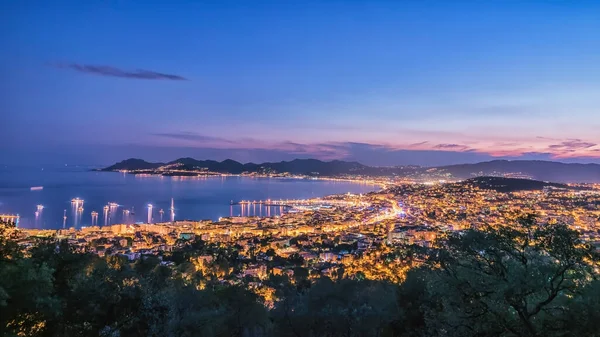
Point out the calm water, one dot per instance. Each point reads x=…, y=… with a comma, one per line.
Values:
x=194, y=198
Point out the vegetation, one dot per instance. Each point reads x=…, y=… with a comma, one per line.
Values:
x=505, y=185
x=527, y=279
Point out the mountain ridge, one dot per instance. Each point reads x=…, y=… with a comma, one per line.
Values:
x=532, y=169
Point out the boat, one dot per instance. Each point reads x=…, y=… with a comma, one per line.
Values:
x=37, y=188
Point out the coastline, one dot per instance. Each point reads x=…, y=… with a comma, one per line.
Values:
x=378, y=181
x=195, y=198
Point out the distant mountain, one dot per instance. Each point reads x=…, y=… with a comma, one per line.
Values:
x=538, y=170
x=313, y=166
x=511, y=184
x=226, y=166
x=133, y=164
x=296, y=166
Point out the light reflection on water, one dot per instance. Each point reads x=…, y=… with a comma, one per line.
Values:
x=193, y=198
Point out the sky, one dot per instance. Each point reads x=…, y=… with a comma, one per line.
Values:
x=380, y=82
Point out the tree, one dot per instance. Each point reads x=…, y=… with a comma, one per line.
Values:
x=347, y=308
x=26, y=289
x=296, y=259
x=26, y=297
x=519, y=280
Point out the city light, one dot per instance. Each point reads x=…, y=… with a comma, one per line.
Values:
x=149, y=213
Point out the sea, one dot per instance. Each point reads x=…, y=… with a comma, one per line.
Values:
x=70, y=194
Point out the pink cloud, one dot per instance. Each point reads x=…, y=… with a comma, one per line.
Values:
x=492, y=146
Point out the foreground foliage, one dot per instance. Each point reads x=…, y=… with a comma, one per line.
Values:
x=527, y=279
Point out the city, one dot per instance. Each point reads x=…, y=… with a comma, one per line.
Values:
x=379, y=236
x=300, y=168
x=346, y=229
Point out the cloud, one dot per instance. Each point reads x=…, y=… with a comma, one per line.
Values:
x=572, y=145
x=453, y=147
x=139, y=74
x=553, y=148
x=326, y=151
x=418, y=144
x=548, y=138
x=190, y=136
x=239, y=149
x=427, y=153
x=194, y=139
x=198, y=141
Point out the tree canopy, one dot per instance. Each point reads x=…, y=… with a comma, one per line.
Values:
x=522, y=279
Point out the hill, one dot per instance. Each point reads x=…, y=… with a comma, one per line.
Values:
x=133, y=164
x=315, y=167
x=535, y=169
x=226, y=166
x=296, y=166
x=500, y=184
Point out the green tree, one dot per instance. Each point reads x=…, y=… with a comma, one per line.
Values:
x=520, y=280
x=346, y=308
x=26, y=289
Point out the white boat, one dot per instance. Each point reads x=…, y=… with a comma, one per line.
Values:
x=37, y=188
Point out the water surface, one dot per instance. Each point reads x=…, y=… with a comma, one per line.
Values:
x=193, y=198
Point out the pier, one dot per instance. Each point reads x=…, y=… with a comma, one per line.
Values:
x=275, y=203
x=10, y=218
x=298, y=202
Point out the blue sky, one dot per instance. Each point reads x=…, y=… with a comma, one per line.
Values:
x=381, y=82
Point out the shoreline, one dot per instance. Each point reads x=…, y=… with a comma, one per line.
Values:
x=365, y=180
x=26, y=222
